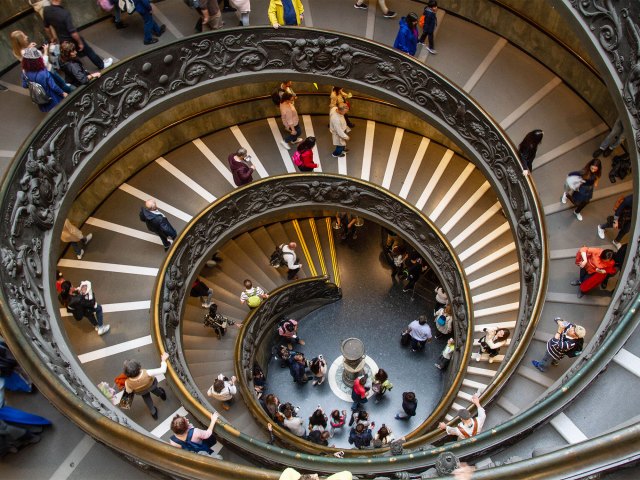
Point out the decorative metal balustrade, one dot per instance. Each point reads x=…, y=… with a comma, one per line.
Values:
x=64, y=150
x=268, y=199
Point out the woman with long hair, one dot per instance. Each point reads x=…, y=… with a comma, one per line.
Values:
x=33, y=70
x=528, y=149
x=589, y=177
x=20, y=42
x=491, y=342
x=305, y=151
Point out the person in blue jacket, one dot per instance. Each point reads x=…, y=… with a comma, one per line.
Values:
x=407, y=38
x=34, y=70
x=430, y=23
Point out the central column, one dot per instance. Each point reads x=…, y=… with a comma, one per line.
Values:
x=353, y=357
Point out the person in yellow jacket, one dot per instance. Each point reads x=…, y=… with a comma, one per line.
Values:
x=285, y=12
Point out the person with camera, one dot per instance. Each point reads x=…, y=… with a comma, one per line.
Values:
x=567, y=341
x=223, y=389
x=241, y=170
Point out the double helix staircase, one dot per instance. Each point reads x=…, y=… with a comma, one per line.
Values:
x=123, y=259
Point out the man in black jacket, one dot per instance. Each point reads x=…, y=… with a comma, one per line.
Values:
x=158, y=223
x=59, y=18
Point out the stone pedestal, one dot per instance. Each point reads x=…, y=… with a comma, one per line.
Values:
x=353, y=356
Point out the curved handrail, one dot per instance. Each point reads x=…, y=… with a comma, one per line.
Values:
x=250, y=205
x=60, y=154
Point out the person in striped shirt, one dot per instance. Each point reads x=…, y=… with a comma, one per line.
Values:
x=568, y=338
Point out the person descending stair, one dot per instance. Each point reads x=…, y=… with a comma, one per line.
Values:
x=158, y=223
x=81, y=302
x=144, y=382
x=224, y=390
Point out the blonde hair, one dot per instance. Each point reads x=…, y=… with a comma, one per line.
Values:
x=19, y=41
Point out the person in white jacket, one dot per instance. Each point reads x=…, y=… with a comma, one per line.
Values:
x=339, y=129
x=223, y=389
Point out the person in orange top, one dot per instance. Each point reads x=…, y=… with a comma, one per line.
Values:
x=595, y=264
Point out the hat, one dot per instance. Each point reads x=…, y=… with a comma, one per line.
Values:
x=464, y=414
x=580, y=331
x=31, y=53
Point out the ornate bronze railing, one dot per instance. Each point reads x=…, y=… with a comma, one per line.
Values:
x=266, y=200
x=57, y=157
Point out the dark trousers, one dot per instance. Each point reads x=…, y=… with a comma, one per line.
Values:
x=292, y=273
x=417, y=344
x=429, y=36
x=88, y=52
x=146, y=395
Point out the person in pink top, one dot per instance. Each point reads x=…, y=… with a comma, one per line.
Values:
x=290, y=120
x=192, y=439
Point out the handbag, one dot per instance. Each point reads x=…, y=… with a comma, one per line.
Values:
x=37, y=92
x=126, y=400
x=405, y=338
x=573, y=182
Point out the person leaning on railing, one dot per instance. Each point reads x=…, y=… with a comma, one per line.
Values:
x=144, y=382
x=469, y=426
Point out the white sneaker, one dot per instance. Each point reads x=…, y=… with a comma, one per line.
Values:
x=601, y=232
x=80, y=255
x=578, y=215
x=491, y=359
x=298, y=140
x=88, y=238
x=564, y=198
x=206, y=305
x=616, y=244
x=107, y=62
x=103, y=329
x=285, y=144
x=432, y=51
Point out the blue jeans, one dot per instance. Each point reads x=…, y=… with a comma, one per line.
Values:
x=339, y=149
x=150, y=26
x=546, y=360
x=294, y=136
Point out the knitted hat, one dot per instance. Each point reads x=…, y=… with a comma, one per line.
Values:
x=580, y=331
x=31, y=53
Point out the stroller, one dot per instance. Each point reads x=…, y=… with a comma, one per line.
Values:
x=218, y=322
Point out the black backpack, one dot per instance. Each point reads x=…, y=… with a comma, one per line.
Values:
x=275, y=96
x=577, y=350
x=277, y=257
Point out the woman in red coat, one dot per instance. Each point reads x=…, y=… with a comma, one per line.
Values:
x=306, y=155
x=595, y=264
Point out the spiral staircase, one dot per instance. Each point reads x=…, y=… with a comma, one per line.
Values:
x=123, y=260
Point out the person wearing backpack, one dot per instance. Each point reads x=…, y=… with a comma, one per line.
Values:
x=44, y=91
x=303, y=157
x=621, y=220
x=429, y=26
x=192, y=439
x=251, y=295
x=567, y=341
